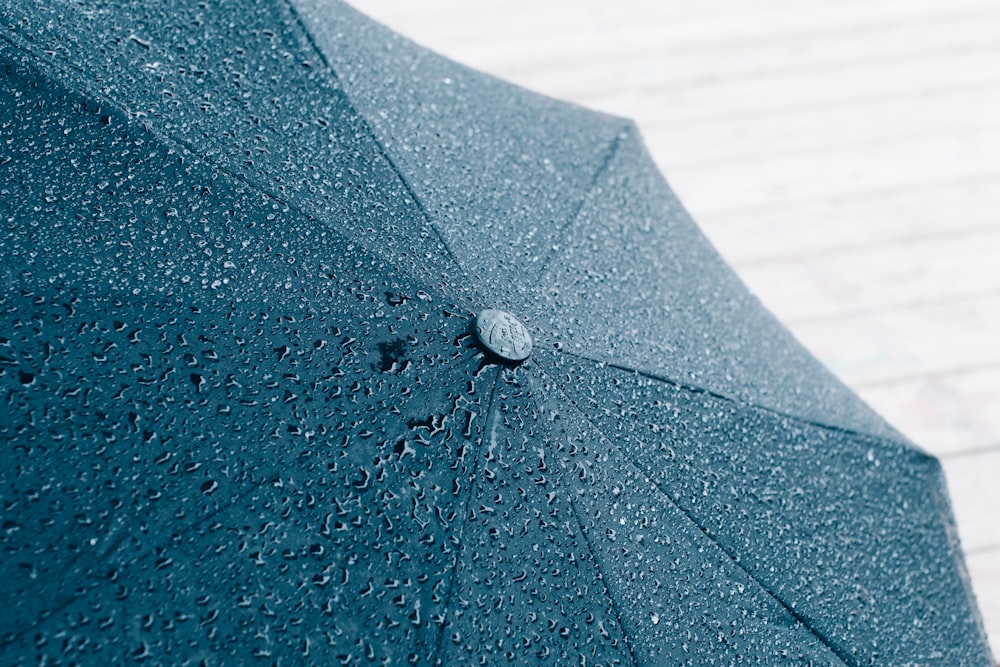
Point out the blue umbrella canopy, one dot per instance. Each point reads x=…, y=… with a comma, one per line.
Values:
x=248, y=416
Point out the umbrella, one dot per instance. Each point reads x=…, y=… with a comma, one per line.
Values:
x=320, y=349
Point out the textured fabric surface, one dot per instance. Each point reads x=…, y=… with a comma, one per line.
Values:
x=245, y=417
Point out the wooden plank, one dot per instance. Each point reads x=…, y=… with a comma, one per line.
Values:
x=946, y=414
x=722, y=186
x=675, y=94
x=712, y=100
x=556, y=31
x=661, y=63
x=975, y=497
x=838, y=224
x=856, y=125
x=885, y=345
x=926, y=270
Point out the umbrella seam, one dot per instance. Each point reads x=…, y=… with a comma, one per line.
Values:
x=694, y=389
x=116, y=545
x=270, y=479
x=798, y=618
x=170, y=140
x=626, y=130
x=328, y=68
x=490, y=416
x=182, y=147
x=71, y=76
x=600, y=573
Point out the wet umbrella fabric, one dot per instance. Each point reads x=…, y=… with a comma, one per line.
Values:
x=245, y=417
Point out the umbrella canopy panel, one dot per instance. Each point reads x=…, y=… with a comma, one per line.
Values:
x=246, y=416
x=206, y=388
x=238, y=435
x=498, y=170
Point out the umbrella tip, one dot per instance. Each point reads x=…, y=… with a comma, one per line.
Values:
x=503, y=335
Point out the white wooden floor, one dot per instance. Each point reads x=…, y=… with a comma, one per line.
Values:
x=843, y=155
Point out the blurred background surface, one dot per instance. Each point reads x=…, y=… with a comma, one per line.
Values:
x=842, y=155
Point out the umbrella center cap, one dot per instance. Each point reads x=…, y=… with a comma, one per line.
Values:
x=503, y=334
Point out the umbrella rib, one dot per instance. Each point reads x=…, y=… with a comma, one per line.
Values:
x=694, y=389
x=371, y=132
x=490, y=417
x=176, y=143
x=169, y=140
x=628, y=129
x=607, y=440
x=607, y=593
x=114, y=546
